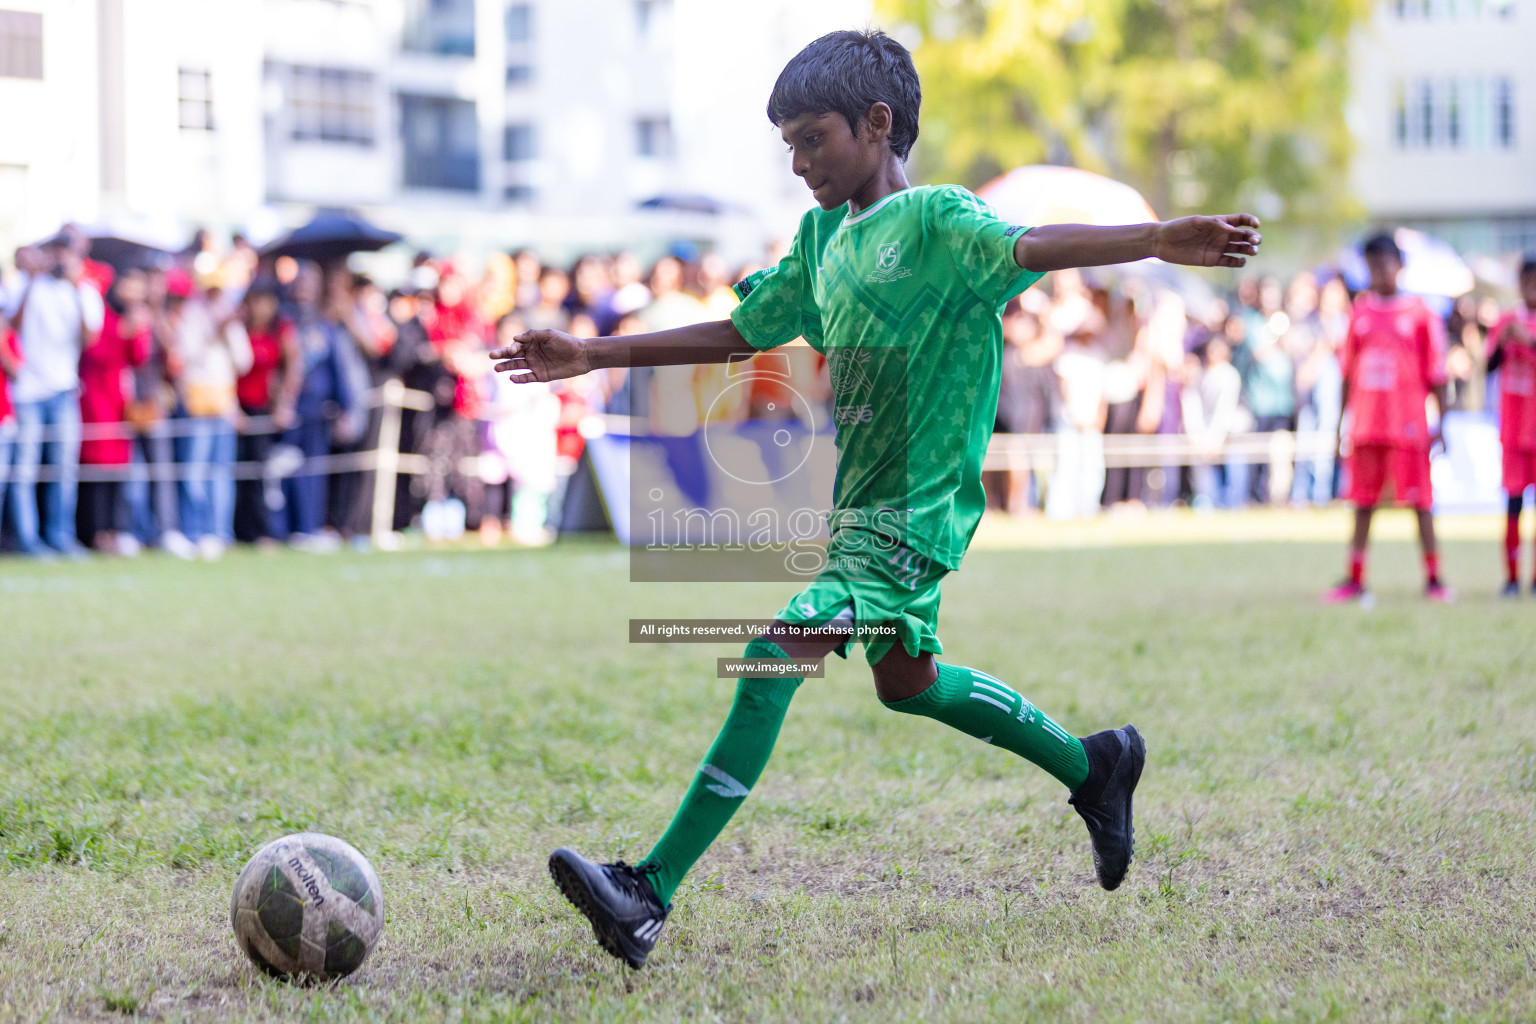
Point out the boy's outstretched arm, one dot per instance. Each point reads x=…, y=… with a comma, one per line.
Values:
x=555, y=355
x=1225, y=241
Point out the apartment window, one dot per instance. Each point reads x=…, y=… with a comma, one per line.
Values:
x=519, y=75
x=1425, y=101
x=327, y=104
x=440, y=143
x=1504, y=113
x=194, y=95
x=653, y=137
x=1452, y=116
x=518, y=194
x=520, y=23
x=1470, y=112
x=21, y=44
x=442, y=27
x=1400, y=117
x=1451, y=10
x=520, y=142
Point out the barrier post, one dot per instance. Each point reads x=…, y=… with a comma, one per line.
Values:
x=387, y=461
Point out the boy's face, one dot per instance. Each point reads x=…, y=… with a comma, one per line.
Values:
x=834, y=162
x=1384, y=267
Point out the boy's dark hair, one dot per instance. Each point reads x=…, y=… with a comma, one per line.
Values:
x=1382, y=244
x=1528, y=264
x=847, y=73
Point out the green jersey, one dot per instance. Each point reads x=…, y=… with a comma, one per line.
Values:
x=903, y=299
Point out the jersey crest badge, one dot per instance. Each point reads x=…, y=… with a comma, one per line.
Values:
x=888, y=264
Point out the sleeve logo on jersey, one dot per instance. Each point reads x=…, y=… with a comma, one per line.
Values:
x=888, y=264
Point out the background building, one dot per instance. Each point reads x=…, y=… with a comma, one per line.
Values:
x=464, y=123
x=471, y=124
x=1444, y=114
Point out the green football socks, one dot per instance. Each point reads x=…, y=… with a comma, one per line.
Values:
x=981, y=706
x=730, y=770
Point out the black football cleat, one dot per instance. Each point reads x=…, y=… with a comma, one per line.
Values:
x=626, y=916
x=1115, y=760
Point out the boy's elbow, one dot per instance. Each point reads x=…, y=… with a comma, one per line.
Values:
x=1026, y=254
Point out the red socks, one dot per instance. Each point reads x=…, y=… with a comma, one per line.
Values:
x=1357, y=567
x=1512, y=547
x=1432, y=569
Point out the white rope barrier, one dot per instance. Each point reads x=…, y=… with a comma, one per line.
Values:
x=1016, y=452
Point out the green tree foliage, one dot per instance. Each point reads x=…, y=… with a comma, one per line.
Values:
x=1202, y=104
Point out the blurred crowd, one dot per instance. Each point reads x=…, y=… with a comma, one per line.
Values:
x=1088, y=357
x=221, y=395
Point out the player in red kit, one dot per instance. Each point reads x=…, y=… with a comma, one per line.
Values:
x=1392, y=359
x=1512, y=351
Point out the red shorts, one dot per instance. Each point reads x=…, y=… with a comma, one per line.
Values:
x=1519, y=471
x=1371, y=465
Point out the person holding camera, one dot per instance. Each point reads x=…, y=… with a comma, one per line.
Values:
x=55, y=313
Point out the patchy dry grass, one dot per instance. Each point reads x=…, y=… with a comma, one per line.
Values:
x=1335, y=822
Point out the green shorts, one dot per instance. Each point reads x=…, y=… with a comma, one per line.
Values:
x=887, y=591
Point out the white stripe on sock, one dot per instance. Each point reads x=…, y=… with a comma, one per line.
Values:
x=995, y=703
x=1061, y=733
x=977, y=674
x=1001, y=691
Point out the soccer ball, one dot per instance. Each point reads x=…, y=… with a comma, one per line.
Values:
x=307, y=906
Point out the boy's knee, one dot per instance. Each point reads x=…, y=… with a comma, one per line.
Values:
x=899, y=675
x=773, y=690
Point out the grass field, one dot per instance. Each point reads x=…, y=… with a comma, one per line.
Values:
x=1335, y=821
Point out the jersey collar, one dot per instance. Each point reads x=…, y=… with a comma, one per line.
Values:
x=865, y=214
x=1384, y=302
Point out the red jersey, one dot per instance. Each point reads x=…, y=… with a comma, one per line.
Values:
x=1517, y=382
x=459, y=324
x=1393, y=355
x=254, y=388
x=103, y=387
x=12, y=345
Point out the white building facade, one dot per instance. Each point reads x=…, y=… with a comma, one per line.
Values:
x=466, y=124
x=1443, y=111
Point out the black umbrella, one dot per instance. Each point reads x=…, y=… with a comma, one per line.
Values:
x=119, y=249
x=121, y=253
x=331, y=235
x=685, y=202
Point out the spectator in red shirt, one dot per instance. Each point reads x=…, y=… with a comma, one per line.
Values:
x=123, y=342
x=10, y=362
x=1512, y=351
x=268, y=388
x=459, y=336
x=1392, y=360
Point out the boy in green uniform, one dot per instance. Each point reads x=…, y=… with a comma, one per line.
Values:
x=900, y=287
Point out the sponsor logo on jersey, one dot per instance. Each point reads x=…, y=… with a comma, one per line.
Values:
x=888, y=264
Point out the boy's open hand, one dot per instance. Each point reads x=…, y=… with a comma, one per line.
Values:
x=543, y=356
x=1225, y=241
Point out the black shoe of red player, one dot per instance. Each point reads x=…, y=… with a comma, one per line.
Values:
x=1103, y=801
